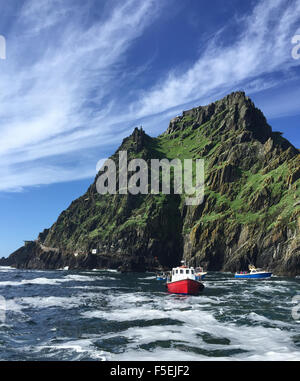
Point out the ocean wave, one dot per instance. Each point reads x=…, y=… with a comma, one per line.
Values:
x=7, y=268
x=39, y=281
x=66, y=349
x=48, y=302
x=69, y=302
x=48, y=281
x=148, y=278
x=272, y=322
x=229, y=320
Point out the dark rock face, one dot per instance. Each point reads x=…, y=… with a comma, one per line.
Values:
x=250, y=213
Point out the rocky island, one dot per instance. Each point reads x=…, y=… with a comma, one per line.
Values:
x=250, y=213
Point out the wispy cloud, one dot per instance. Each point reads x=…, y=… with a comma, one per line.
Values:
x=18, y=178
x=63, y=85
x=58, y=72
x=262, y=47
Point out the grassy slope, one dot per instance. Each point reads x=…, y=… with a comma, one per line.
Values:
x=94, y=218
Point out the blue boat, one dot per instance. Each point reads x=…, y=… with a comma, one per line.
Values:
x=162, y=277
x=200, y=274
x=254, y=273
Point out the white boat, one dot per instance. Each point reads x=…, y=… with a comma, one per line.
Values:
x=183, y=281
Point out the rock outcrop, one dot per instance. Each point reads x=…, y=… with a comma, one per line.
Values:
x=250, y=213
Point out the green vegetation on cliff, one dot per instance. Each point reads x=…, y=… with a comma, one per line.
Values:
x=250, y=213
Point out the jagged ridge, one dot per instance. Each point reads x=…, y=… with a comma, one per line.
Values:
x=251, y=210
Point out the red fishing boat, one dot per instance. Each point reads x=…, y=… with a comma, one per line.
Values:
x=183, y=281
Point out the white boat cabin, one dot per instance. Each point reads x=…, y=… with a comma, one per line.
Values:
x=254, y=270
x=183, y=272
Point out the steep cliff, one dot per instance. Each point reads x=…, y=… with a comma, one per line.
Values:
x=250, y=213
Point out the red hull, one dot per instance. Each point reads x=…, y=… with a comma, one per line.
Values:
x=186, y=286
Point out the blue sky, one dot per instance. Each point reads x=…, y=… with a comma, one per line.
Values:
x=80, y=75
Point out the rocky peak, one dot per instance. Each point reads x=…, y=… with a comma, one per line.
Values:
x=237, y=111
x=135, y=142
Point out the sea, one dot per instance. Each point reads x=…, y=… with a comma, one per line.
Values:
x=104, y=315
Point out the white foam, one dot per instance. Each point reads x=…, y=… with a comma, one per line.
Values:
x=260, y=318
x=82, y=347
x=257, y=342
x=287, y=355
x=159, y=354
x=31, y=281
x=125, y=299
x=6, y=268
x=100, y=288
x=56, y=301
x=148, y=278
x=189, y=318
x=80, y=278
x=50, y=301
x=125, y=315
x=48, y=281
x=12, y=305
x=270, y=288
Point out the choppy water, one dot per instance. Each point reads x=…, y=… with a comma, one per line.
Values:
x=105, y=315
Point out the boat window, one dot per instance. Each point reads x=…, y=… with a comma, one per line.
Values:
x=173, y=272
x=176, y=271
x=192, y=271
x=181, y=271
x=187, y=271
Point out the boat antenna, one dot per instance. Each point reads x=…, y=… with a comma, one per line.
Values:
x=183, y=262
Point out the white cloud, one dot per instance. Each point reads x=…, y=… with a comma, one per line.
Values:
x=64, y=68
x=49, y=80
x=263, y=47
x=18, y=178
